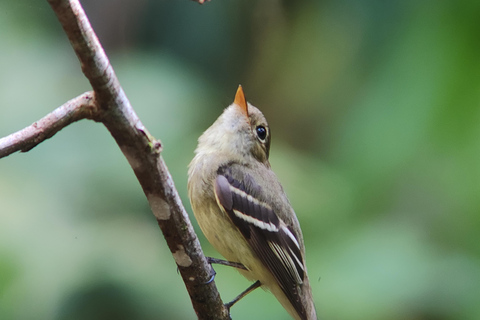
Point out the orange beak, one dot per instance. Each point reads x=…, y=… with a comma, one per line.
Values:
x=241, y=101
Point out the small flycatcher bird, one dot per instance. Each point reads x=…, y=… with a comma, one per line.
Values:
x=242, y=209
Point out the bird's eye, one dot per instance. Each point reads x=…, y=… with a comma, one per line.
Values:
x=261, y=132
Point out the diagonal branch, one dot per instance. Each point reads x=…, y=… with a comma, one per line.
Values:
x=110, y=106
x=81, y=107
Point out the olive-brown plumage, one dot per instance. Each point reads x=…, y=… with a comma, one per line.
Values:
x=242, y=209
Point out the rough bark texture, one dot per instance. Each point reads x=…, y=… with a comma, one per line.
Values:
x=109, y=105
x=24, y=140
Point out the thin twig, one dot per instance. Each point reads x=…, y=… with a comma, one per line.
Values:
x=24, y=140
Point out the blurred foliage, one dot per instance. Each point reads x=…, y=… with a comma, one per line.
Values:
x=374, y=108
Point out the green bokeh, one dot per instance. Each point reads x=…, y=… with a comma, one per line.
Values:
x=375, y=113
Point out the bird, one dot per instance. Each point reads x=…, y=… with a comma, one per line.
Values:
x=243, y=210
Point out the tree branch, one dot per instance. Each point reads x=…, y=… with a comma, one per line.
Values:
x=111, y=107
x=81, y=107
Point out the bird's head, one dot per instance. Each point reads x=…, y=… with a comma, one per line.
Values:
x=241, y=131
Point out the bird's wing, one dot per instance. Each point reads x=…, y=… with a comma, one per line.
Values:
x=275, y=243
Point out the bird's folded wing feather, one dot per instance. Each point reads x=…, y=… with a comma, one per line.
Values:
x=275, y=243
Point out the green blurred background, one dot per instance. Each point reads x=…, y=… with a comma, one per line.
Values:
x=374, y=108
